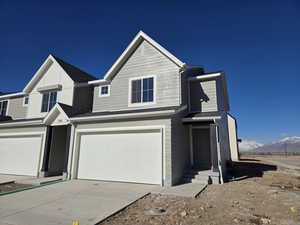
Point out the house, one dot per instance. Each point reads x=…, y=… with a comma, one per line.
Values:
x=151, y=119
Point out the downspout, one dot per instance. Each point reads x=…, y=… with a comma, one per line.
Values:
x=219, y=153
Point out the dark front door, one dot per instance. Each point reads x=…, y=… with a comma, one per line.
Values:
x=201, y=148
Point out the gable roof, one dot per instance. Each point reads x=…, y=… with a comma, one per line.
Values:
x=73, y=72
x=139, y=38
x=76, y=74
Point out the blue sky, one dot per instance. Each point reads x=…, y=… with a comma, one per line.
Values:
x=255, y=42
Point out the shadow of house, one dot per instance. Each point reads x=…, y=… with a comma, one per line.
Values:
x=247, y=169
x=198, y=96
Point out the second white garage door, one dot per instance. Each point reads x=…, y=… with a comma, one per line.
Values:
x=20, y=155
x=131, y=156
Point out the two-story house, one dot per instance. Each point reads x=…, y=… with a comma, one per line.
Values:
x=150, y=119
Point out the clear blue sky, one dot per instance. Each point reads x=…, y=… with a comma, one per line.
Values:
x=257, y=43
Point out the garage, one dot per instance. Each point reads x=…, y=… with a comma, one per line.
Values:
x=126, y=156
x=20, y=155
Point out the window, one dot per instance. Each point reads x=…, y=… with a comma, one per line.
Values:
x=142, y=90
x=26, y=100
x=3, y=108
x=104, y=91
x=48, y=101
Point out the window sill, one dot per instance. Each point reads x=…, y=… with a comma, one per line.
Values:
x=141, y=104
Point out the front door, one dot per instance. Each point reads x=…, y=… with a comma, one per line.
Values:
x=201, y=148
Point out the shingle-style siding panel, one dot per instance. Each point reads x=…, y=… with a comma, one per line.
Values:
x=145, y=61
x=167, y=161
x=203, y=96
x=16, y=109
x=83, y=99
x=180, y=148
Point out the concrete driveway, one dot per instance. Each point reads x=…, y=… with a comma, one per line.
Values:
x=88, y=202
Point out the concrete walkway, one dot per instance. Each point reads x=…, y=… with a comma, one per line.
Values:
x=88, y=202
x=4, y=179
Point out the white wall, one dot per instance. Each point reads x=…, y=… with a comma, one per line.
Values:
x=53, y=76
x=233, y=138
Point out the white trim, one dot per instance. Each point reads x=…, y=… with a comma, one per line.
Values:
x=11, y=95
x=100, y=91
x=21, y=134
x=130, y=48
x=80, y=132
x=26, y=96
x=203, y=77
x=49, y=115
x=96, y=82
x=125, y=115
x=212, y=118
x=139, y=104
x=26, y=123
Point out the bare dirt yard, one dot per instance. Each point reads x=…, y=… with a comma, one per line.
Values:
x=258, y=194
x=11, y=187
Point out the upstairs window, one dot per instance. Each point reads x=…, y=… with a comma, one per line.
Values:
x=104, y=91
x=142, y=90
x=26, y=100
x=3, y=108
x=48, y=101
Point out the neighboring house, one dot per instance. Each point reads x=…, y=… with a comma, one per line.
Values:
x=151, y=119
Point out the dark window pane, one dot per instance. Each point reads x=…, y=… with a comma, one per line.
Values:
x=148, y=90
x=45, y=102
x=53, y=97
x=104, y=90
x=26, y=100
x=150, y=96
x=3, y=108
x=136, y=91
x=151, y=83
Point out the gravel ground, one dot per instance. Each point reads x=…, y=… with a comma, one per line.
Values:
x=11, y=186
x=258, y=195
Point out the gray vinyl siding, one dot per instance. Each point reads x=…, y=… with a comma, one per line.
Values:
x=222, y=98
x=203, y=96
x=180, y=148
x=83, y=99
x=184, y=90
x=167, y=157
x=145, y=61
x=16, y=109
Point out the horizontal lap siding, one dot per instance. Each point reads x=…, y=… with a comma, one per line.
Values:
x=145, y=61
x=167, y=163
x=203, y=96
x=16, y=109
x=15, y=130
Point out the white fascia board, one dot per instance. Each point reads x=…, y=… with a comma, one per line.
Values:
x=207, y=118
x=203, y=77
x=19, y=94
x=98, y=82
x=122, y=116
x=130, y=48
x=47, y=63
x=20, y=124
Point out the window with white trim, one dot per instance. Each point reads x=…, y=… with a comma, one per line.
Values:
x=104, y=91
x=142, y=90
x=3, y=108
x=48, y=101
x=26, y=100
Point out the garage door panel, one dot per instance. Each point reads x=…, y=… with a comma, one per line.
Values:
x=20, y=155
x=127, y=157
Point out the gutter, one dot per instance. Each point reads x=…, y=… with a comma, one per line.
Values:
x=96, y=82
x=24, y=123
x=12, y=95
x=123, y=116
x=203, y=77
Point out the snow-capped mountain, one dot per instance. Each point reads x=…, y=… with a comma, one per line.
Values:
x=288, y=144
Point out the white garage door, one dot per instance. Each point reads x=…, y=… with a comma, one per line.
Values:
x=130, y=156
x=20, y=155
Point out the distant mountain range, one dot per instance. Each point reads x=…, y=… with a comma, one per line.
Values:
x=288, y=144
